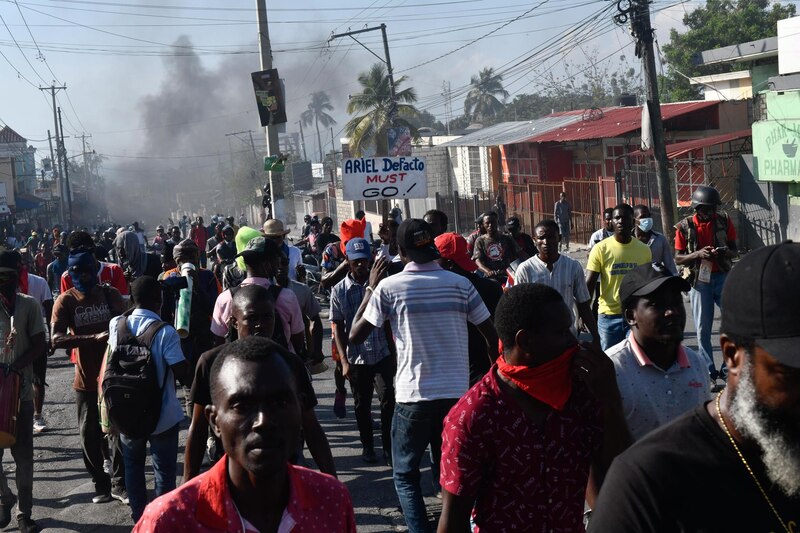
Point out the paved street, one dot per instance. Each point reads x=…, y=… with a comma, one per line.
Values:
x=63, y=491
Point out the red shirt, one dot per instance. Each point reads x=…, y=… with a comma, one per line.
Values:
x=523, y=476
x=109, y=273
x=705, y=237
x=317, y=502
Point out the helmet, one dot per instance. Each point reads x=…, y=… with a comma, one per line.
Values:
x=159, y=227
x=705, y=196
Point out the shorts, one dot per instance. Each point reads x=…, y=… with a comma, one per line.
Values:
x=39, y=370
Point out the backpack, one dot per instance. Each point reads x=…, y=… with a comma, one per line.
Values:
x=278, y=334
x=131, y=391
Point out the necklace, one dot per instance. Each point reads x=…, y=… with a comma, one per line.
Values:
x=747, y=466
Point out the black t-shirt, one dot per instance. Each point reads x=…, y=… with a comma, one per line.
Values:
x=324, y=239
x=479, y=364
x=687, y=477
x=201, y=387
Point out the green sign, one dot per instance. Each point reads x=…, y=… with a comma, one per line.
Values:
x=776, y=149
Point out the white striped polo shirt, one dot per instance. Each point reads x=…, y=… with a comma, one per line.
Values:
x=428, y=309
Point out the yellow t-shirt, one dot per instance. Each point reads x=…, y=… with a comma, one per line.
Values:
x=613, y=260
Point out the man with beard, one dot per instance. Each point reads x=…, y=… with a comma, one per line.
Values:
x=256, y=413
x=659, y=379
x=739, y=453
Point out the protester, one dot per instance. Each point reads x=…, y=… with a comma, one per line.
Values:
x=130, y=256
x=159, y=240
x=234, y=274
x=562, y=214
x=310, y=309
x=521, y=446
x=57, y=267
x=388, y=234
x=210, y=247
x=327, y=236
x=705, y=243
x=174, y=238
x=659, y=379
x=170, y=364
x=609, y=261
x=86, y=332
x=253, y=314
x=658, y=243
x=107, y=273
x=368, y=366
x=44, y=257
x=361, y=215
x=454, y=257
x=472, y=237
x=438, y=221
x=741, y=451
x=23, y=335
x=560, y=272
x=429, y=380
x=494, y=252
x=274, y=230
x=604, y=232
x=256, y=414
x=523, y=240
x=199, y=234
x=306, y=229
x=262, y=261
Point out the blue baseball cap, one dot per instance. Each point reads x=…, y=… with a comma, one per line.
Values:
x=358, y=249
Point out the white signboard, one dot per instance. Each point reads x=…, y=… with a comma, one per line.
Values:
x=788, y=45
x=384, y=178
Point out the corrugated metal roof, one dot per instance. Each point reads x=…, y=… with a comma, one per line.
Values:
x=615, y=122
x=9, y=136
x=681, y=148
x=512, y=132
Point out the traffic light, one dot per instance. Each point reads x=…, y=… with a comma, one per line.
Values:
x=269, y=97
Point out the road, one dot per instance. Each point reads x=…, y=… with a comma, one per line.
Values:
x=63, y=490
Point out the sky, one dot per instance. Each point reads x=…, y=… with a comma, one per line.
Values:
x=161, y=84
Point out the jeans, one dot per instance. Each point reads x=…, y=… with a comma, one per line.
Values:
x=612, y=329
x=703, y=297
x=164, y=455
x=22, y=452
x=92, y=444
x=364, y=379
x=563, y=230
x=414, y=426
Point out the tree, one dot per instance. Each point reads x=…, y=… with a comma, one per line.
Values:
x=317, y=114
x=372, y=106
x=426, y=119
x=481, y=101
x=719, y=23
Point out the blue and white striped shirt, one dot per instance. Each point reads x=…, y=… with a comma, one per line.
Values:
x=428, y=309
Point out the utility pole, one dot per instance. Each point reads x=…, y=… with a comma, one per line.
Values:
x=303, y=140
x=448, y=109
x=86, y=174
x=53, y=89
x=56, y=175
x=637, y=12
x=273, y=146
x=66, y=171
x=392, y=90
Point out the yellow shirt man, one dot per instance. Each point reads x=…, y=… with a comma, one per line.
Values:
x=612, y=260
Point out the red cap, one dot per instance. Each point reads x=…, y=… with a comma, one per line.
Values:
x=453, y=246
x=350, y=229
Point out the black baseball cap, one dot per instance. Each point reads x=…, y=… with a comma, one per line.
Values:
x=761, y=300
x=416, y=237
x=648, y=278
x=9, y=260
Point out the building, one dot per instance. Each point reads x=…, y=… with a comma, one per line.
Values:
x=12, y=144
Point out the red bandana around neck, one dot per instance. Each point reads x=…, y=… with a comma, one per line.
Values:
x=550, y=383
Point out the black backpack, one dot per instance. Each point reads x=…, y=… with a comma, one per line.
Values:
x=278, y=334
x=131, y=390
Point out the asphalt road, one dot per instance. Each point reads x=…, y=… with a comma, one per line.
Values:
x=63, y=489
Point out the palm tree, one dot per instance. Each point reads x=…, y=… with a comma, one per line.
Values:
x=316, y=114
x=372, y=106
x=482, y=101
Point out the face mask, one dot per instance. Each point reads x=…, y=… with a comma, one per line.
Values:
x=80, y=262
x=645, y=224
x=550, y=383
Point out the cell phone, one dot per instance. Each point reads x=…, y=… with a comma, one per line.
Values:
x=721, y=249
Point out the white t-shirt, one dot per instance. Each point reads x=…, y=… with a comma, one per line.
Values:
x=39, y=290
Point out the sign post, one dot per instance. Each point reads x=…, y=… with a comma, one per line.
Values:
x=384, y=178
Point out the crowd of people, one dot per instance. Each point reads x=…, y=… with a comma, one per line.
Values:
x=472, y=346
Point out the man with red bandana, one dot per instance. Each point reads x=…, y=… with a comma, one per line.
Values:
x=519, y=449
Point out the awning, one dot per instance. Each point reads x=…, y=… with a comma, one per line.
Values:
x=684, y=147
x=23, y=202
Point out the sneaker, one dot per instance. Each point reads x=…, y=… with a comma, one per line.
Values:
x=119, y=493
x=27, y=525
x=368, y=455
x=339, y=408
x=39, y=424
x=107, y=466
x=103, y=497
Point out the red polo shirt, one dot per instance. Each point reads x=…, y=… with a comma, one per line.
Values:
x=522, y=476
x=317, y=502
